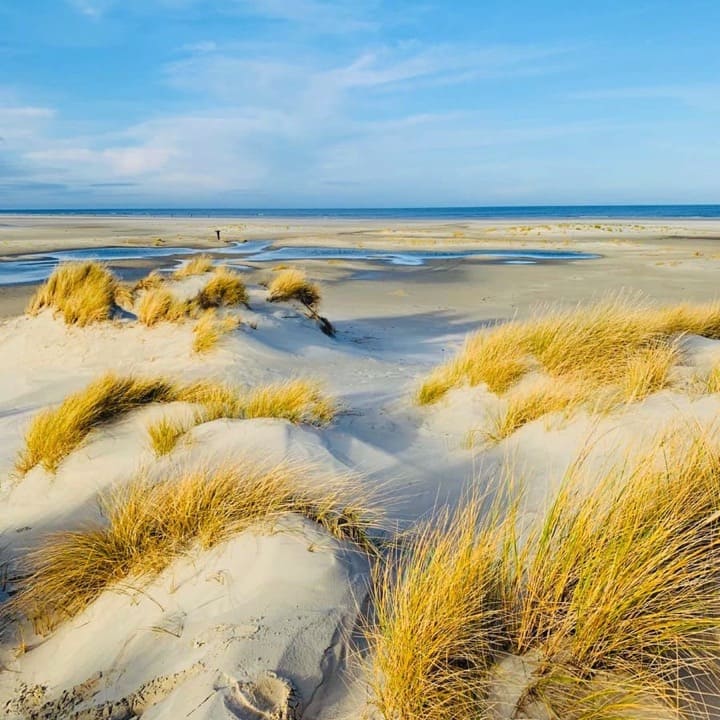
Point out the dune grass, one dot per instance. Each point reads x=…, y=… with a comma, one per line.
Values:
x=82, y=293
x=56, y=432
x=165, y=433
x=299, y=401
x=524, y=405
x=438, y=622
x=293, y=284
x=613, y=342
x=712, y=381
x=151, y=524
x=611, y=601
x=197, y=266
x=210, y=328
x=225, y=288
x=160, y=305
x=150, y=282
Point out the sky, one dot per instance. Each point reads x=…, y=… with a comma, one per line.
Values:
x=375, y=103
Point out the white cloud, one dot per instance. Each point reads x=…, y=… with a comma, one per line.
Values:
x=92, y=8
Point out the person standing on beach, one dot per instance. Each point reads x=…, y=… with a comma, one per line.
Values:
x=217, y=232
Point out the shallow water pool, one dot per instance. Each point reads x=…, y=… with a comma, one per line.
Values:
x=35, y=267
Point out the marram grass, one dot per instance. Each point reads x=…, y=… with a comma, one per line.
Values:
x=197, y=266
x=159, y=304
x=224, y=288
x=150, y=524
x=165, y=433
x=82, y=293
x=620, y=341
x=210, y=328
x=292, y=284
x=610, y=604
x=56, y=432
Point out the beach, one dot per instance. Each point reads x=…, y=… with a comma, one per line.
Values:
x=265, y=622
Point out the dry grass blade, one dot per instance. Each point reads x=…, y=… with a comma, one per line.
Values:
x=150, y=282
x=165, y=433
x=55, y=433
x=299, y=401
x=225, y=288
x=160, y=305
x=648, y=370
x=608, y=609
x=528, y=404
x=292, y=284
x=619, y=342
x=83, y=293
x=438, y=621
x=197, y=266
x=151, y=524
x=210, y=328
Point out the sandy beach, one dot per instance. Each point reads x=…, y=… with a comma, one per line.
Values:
x=269, y=622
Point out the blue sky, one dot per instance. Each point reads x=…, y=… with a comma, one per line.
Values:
x=313, y=103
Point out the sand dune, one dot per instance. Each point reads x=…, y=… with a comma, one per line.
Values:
x=271, y=621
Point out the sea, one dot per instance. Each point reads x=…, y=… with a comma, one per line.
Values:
x=515, y=212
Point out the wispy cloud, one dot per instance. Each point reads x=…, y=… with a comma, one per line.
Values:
x=92, y=8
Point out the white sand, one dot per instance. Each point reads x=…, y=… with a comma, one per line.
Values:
x=272, y=615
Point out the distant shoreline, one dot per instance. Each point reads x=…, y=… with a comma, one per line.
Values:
x=526, y=212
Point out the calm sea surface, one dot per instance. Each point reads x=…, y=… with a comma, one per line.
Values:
x=537, y=212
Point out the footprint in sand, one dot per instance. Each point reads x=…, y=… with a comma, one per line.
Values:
x=268, y=698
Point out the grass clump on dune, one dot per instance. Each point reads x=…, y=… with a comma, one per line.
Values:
x=161, y=305
x=150, y=282
x=165, y=433
x=598, y=345
x=56, y=432
x=197, y=266
x=225, y=288
x=299, y=401
x=83, y=293
x=151, y=524
x=210, y=328
x=524, y=405
x=438, y=621
x=608, y=609
x=292, y=284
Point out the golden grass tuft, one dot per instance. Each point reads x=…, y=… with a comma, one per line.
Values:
x=151, y=524
x=165, y=433
x=299, y=401
x=292, y=284
x=151, y=281
x=197, y=266
x=124, y=296
x=648, y=370
x=83, y=293
x=210, y=328
x=610, y=603
x=619, y=342
x=712, y=382
x=524, y=405
x=225, y=288
x=160, y=305
x=55, y=433
x=438, y=623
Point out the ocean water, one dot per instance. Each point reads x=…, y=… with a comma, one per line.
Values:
x=35, y=267
x=529, y=212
